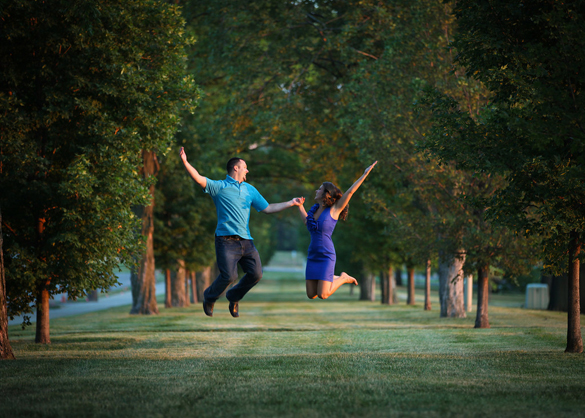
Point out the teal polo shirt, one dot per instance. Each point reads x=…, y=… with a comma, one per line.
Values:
x=232, y=203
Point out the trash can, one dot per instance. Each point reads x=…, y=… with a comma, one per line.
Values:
x=536, y=296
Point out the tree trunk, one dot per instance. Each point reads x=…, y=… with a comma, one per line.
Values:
x=387, y=290
x=168, y=289
x=574, y=340
x=203, y=282
x=481, y=319
x=367, y=286
x=582, y=287
x=558, y=293
x=193, y=281
x=468, y=292
x=42, y=327
x=143, y=281
x=179, y=297
x=391, y=287
x=6, y=352
x=383, y=285
x=42, y=335
x=398, y=277
x=428, y=286
x=451, y=287
x=410, y=297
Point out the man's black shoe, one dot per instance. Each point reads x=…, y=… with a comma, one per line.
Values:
x=234, y=309
x=208, y=308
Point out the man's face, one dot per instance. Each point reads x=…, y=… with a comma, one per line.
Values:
x=240, y=170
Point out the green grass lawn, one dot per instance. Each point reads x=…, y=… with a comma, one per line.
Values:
x=289, y=356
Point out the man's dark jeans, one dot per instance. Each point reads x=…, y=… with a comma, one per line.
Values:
x=230, y=252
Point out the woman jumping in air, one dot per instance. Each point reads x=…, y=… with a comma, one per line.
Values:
x=321, y=220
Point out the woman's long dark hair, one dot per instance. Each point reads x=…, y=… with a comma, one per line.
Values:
x=331, y=194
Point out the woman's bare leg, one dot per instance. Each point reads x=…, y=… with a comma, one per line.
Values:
x=311, y=288
x=326, y=289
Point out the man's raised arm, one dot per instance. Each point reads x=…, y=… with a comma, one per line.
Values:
x=199, y=179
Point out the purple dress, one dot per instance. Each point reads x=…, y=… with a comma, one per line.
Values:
x=321, y=256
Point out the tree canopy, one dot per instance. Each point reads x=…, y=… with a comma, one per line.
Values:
x=85, y=87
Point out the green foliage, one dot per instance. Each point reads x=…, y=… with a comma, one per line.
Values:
x=85, y=87
x=184, y=218
x=420, y=207
x=530, y=57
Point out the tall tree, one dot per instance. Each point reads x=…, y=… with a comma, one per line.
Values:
x=86, y=87
x=142, y=276
x=5, y=348
x=529, y=56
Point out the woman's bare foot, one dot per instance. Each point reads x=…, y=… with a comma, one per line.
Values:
x=347, y=278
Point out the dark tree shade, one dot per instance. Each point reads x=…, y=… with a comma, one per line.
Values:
x=85, y=87
x=530, y=56
x=5, y=348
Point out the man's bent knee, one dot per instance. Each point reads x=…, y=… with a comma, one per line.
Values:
x=231, y=278
x=256, y=276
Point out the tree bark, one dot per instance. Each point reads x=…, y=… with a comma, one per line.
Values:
x=398, y=277
x=387, y=290
x=574, y=340
x=179, y=296
x=203, y=282
x=558, y=293
x=193, y=281
x=168, y=289
x=42, y=335
x=428, y=286
x=383, y=285
x=481, y=318
x=391, y=287
x=143, y=280
x=410, y=297
x=468, y=292
x=367, y=286
x=6, y=352
x=582, y=286
x=451, y=286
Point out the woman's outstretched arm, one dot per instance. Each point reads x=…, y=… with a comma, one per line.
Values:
x=303, y=212
x=199, y=179
x=342, y=203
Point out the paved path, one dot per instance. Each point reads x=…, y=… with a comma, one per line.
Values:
x=105, y=301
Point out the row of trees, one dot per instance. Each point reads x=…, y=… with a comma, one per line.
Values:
x=473, y=120
x=90, y=93
x=316, y=92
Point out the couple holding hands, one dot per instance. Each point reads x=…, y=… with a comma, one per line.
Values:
x=233, y=198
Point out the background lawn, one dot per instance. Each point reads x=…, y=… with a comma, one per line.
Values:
x=289, y=356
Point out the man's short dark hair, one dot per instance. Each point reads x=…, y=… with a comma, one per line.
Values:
x=232, y=163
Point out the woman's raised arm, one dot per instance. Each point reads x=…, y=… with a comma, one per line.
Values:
x=338, y=207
